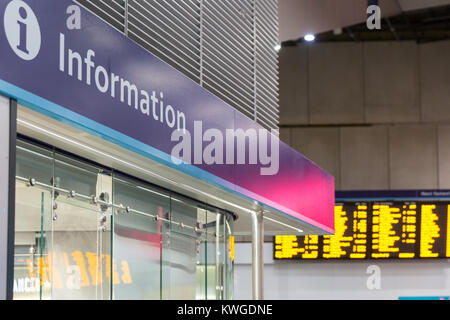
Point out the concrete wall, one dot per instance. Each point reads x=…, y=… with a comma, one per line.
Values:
x=379, y=157
x=298, y=17
x=375, y=115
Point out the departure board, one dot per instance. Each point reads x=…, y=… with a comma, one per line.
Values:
x=376, y=230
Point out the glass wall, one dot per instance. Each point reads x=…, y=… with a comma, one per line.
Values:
x=87, y=232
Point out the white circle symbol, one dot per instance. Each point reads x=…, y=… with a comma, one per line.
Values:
x=22, y=30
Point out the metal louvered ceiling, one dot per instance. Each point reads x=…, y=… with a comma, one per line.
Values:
x=226, y=46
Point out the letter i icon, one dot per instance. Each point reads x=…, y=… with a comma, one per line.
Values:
x=23, y=31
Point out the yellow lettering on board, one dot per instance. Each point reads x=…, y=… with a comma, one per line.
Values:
x=78, y=257
x=126, y=276
x=30, y=268
x=55, y=275
x=115, y=279
x=94, y=270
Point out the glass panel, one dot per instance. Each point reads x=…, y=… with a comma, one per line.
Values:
x=165, y=246
x=229, y=266
x=33, y=162
x=81, y=251
x=210, y=247
x=165, y=257
x=46, y=245
x=33, y=209
x=201, y=293
x=81, y=248
x=31, y=272
x=182, y=255
x=137, y=238
x=221, y=255
x=77, y=176
x=216, y=252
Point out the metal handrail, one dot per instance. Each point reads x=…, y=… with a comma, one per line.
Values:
x=96, y=201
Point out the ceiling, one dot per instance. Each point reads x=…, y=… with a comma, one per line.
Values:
x=299, y=17
x=407, y=5
x=421, y=25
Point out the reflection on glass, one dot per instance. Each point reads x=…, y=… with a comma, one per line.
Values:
x=33, y=205
x=215, y=247
x=183, y=252
x=137, y=237
x=81, y=232
x=229, y=258
x=201, y=291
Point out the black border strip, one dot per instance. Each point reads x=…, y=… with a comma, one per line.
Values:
x=392, y=195
x=11, y=198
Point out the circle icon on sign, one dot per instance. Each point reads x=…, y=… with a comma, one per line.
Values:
x=22, y=30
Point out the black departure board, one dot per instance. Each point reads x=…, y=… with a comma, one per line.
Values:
x=376, y=230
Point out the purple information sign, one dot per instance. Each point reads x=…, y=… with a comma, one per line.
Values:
x=59, y=59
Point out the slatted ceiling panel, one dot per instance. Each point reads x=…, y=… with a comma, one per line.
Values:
x=227, y=46
x=112, y=11
x=266, y=71
x=228, y=52
x=169, y=29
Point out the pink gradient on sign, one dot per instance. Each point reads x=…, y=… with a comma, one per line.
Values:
x=300, y=189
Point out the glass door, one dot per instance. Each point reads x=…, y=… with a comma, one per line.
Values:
x=216, y=253
x=87, y=233
x=141, y=214
x=32, y=230
x=63, y=228
x=81, y=231
x=184, y=255
x=80, y=251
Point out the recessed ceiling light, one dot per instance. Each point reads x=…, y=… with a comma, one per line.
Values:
x=310, y=37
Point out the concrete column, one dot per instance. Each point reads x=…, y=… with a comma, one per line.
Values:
x=258, y=255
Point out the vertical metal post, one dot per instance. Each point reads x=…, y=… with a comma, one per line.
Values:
x=8, y=110
x=258, y=255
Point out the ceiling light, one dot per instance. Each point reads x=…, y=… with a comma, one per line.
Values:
x=310, y=37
